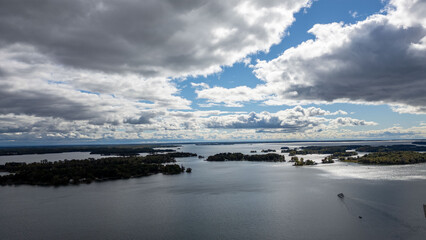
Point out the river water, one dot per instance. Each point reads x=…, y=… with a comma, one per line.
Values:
x=226, y=200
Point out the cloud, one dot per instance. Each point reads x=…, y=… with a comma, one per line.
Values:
x=108, y=69
x=146, y=117
x=200, y=85
x=152, y=38
x=230, y=97
x=354, y=14
x=33, y=85
x=297, y=119
x=346, y=121
x=379, y=60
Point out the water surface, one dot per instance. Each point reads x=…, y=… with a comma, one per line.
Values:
x=227, y=200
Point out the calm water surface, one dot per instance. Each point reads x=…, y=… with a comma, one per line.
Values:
x=227, y=200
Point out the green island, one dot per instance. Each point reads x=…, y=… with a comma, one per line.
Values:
x=181, y=154
x=88, y=170
x=386, y=155
x=341, y=151
x=389, y=158
x=120, y=150
x=328, y=159
x=270, y=157
x=385, y=158
x=301, y=161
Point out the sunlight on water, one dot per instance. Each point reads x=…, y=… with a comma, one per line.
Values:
x=371, y=172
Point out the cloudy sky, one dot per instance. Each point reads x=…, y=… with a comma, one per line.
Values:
x=110, y=71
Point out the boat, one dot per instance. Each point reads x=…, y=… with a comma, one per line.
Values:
x=340, y=195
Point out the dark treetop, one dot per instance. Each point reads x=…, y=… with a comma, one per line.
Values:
x=270, y=157
x=88, y=170
x=339, y=150
x=123, y=150
x=390, y=158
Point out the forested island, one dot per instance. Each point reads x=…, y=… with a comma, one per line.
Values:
x=301, y=161
x=390, y=158
x=343, y=150
x=88, y=170
x=386, y=155
x=120, y=150
x=270, y=157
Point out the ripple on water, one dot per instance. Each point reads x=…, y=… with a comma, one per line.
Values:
x=374, y=172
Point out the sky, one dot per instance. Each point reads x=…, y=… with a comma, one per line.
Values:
x=130, y=71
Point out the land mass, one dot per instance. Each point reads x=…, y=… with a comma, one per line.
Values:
x=342, y=150
x=270, y=157
x=390, y=158
x=88, y=170
x=119, y=150
x=384, y=157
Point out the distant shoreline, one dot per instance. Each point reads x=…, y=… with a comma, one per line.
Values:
x=175, y=144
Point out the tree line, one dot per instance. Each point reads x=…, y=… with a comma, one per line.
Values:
x=88, y=170
x=270, y=157
x=390, y=158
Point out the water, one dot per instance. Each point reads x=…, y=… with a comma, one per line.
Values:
x=29, y=158
x=227, y=200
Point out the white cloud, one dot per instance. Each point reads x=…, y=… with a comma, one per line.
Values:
x=346, y=121
x=200, y=85
x=230, y=97
x=379, y=60
x=354, y=14
x=297, y=119
x=31, y=85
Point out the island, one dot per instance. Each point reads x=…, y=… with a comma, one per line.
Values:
x=302, y=161
x=270, y=157
x=268, y=150
x=119, y=150
x=328, y=159
x=88, y=170
x=389, y=158
x=348, y=150
x=181, y=154
x=385, y=155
